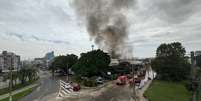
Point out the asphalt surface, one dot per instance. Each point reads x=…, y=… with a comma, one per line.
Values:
x=49, y=88
x=112, y=93
x=48, y=85
x=121, y=93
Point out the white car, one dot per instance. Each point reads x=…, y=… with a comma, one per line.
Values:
x=99, y=80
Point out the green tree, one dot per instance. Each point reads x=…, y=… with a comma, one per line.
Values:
x=170, y=62
x=14, y=78
x=22, y=75
x=63, y=62
x=27, y=73
x=32, y=73
x=71, y=60
x=91, y=63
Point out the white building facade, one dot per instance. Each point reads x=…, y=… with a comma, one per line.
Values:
x=9, y=60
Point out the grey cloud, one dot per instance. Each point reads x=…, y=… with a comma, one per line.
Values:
x=58, y=42
x=189, y=38
x=39, y=14
x=196, y=37
x=164, y=35
x=27, y=19
x=19, y=36
x=6, y=5
x=48, y=40
x=28, y=38
x=138, y=40
x=151, y=22
x=175, y=11
x=36, y=38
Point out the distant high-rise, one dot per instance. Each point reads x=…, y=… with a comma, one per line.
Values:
x=9, y=60
x=49, y=55
x=45, y=61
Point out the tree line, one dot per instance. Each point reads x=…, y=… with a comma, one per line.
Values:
x=171, y=62
x=89, y=64
x=28, y=73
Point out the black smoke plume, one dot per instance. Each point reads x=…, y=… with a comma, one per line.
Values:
x=106, y=23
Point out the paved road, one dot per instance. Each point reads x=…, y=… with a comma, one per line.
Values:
x=48, y=85
x=116, y=93
x=112, y=93
x=49, y=89
x=17, y=91
x=108, y=93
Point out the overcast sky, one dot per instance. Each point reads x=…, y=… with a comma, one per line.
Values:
x=31, y=28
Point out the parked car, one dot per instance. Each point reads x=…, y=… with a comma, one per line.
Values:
x=121, y=80
x=99, y=80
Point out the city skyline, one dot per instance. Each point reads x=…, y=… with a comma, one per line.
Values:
x=32, y=28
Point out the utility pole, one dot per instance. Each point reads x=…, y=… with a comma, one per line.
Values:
x=10, y=83
x=67, y=73
x=133, y=75
x=192, y=66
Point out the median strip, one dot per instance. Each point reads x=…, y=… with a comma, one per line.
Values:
x=17, y=93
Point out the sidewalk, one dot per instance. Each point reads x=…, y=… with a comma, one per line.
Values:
x=17, y=91
x=141, y=91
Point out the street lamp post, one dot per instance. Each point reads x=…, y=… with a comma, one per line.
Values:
x=92, y=47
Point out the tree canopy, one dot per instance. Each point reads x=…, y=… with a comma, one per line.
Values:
x=64, y=62
x=170, y=62
x=28, y=71
x=91, y=63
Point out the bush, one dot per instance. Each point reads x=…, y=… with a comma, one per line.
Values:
x=89, y=82
x=114, y=76
x=77, y=79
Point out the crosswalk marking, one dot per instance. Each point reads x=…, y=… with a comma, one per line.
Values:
x=64, y=89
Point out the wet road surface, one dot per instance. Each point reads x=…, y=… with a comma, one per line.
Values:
x=111, y=93
x=48, y=85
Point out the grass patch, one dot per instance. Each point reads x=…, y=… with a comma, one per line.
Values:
x=167, y=91
x=17, y=86
x=20, y=95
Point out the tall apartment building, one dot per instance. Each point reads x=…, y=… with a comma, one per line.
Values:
x=198, y=57
x=197, y=53
x=9, y=60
